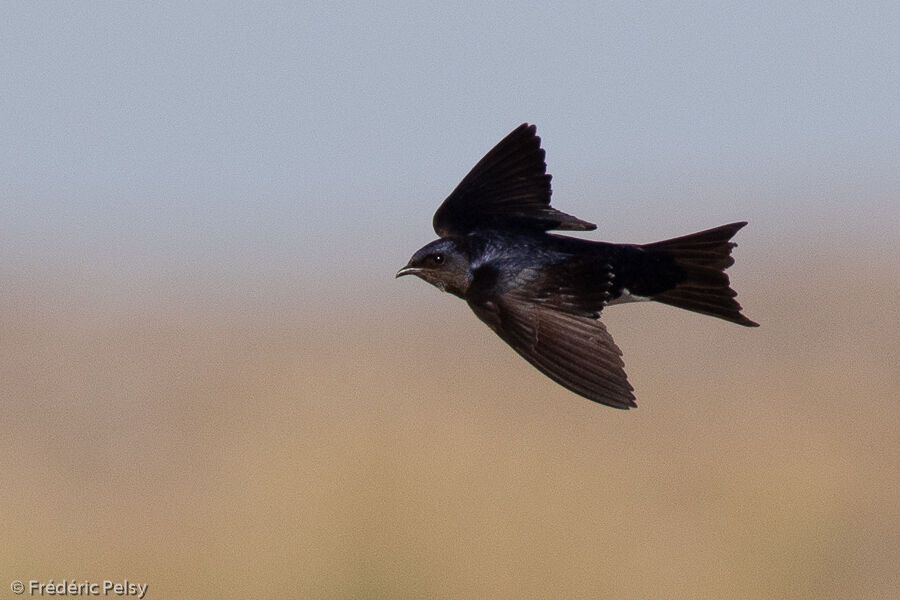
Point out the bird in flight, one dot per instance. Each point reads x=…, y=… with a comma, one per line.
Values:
x=543, y=293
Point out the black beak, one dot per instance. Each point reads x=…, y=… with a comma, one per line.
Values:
x=407, y=270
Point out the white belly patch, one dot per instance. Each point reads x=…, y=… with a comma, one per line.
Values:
x=627, y=296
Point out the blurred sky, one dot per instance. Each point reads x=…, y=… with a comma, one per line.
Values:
x=298, y=146
x=211, y=381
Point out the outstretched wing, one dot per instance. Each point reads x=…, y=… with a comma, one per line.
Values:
x=508, y=189
x=559, y=333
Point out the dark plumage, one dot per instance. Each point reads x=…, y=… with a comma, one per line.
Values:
x=543, y=293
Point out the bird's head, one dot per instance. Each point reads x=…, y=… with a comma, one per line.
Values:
x=442, y=264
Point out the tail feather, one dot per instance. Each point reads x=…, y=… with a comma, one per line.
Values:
x=704, y=288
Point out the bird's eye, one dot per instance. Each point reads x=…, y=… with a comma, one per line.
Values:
x=437, y=259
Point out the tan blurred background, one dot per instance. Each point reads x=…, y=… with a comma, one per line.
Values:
x=211, y=383
x=402, y=451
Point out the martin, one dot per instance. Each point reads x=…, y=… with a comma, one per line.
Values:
x=543, y=293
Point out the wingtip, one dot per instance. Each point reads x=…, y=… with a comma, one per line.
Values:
x=528, y=129
x=618, y=403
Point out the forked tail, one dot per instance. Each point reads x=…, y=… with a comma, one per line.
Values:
x=704, y=288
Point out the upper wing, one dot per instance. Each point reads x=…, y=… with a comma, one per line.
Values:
x=508, y=188
x=565, y=343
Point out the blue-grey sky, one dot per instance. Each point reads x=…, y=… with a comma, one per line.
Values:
x=284, y=146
